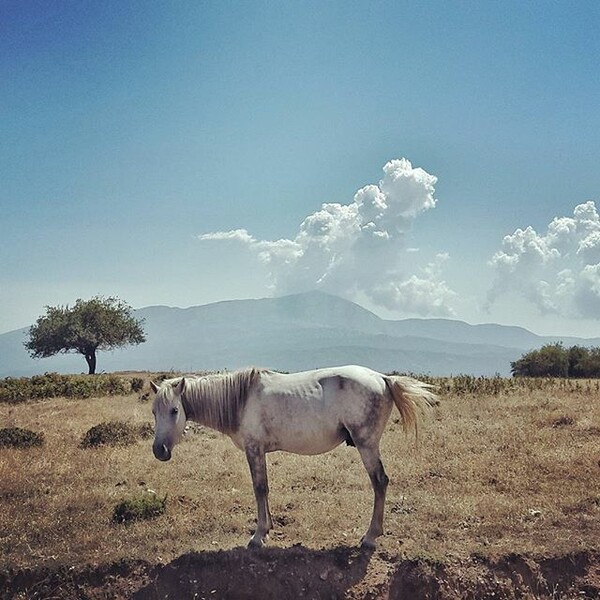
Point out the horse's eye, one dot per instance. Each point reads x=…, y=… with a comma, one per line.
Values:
x=174, y=410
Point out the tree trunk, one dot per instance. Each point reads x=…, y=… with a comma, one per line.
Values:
x=90, y=358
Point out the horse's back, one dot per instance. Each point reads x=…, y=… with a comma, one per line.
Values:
x=321, y=387
x=310, y=412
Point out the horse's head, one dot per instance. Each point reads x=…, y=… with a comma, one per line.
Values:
x=169, y=417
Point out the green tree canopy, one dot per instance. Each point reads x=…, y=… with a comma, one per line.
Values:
x=88, y=326
x=554, y=360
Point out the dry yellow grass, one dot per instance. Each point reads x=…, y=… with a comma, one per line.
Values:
x=493, y=474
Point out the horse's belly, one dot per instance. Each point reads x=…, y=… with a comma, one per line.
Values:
x=302, y=419
x=308, y=442
x=297, y=435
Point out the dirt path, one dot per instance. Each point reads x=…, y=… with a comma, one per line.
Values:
x=300, y=573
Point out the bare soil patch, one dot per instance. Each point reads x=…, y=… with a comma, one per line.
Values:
x=301, y=573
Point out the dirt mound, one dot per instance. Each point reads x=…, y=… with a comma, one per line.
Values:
x=508, y=578
x=300, y=573
x=116, y=580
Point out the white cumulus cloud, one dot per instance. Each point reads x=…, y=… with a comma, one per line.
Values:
x=360, y=247
x=425, y=294
x=559, y=271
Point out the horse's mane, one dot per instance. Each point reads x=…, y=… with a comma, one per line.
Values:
x=217, y=400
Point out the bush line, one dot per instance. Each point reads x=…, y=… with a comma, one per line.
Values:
x=14, y=390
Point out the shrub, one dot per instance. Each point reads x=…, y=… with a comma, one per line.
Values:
x=563, y=421
x=551, y=360
x=137, y=384
x=114, y=385
x=115, y=433
x=52, y=385
x=148, y=506
x=554, y=360
x=15, y=437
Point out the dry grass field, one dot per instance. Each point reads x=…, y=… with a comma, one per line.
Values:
x=499, y=499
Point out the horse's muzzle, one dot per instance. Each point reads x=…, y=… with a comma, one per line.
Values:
x=161, y=452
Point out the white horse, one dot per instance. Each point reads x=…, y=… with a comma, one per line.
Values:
x=304, y=413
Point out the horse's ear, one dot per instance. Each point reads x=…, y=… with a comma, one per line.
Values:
x=179, y=386
x=154, y=387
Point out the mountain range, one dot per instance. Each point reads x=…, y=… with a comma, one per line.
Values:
x=296, y=332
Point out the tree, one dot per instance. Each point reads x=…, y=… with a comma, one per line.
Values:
x=591, y=363
x=551, y=360
x=578, y=359
x=554, y=360
x=91, y=325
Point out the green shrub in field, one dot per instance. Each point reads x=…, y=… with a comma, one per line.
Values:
x=112, y=385
x=554, y=360
x=147, y=506
x=137, y=384
x=15, y=437
x=115, y=433
x=52, y=385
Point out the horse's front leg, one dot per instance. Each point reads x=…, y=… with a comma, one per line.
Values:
x=258, y=471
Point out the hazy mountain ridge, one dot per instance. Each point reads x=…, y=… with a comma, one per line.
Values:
x=296, y=332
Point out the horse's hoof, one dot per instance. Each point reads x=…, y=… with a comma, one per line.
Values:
x=255, y=543
x=368, y=545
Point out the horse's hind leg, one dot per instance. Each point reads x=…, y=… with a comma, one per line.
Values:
x=258, y=471
x=379, y=480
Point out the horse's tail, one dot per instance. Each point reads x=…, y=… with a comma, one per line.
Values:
x=410, y=396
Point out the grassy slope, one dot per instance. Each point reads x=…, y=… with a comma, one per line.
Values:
x=494, y=474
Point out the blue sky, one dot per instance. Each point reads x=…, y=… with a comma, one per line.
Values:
x=129, y=129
